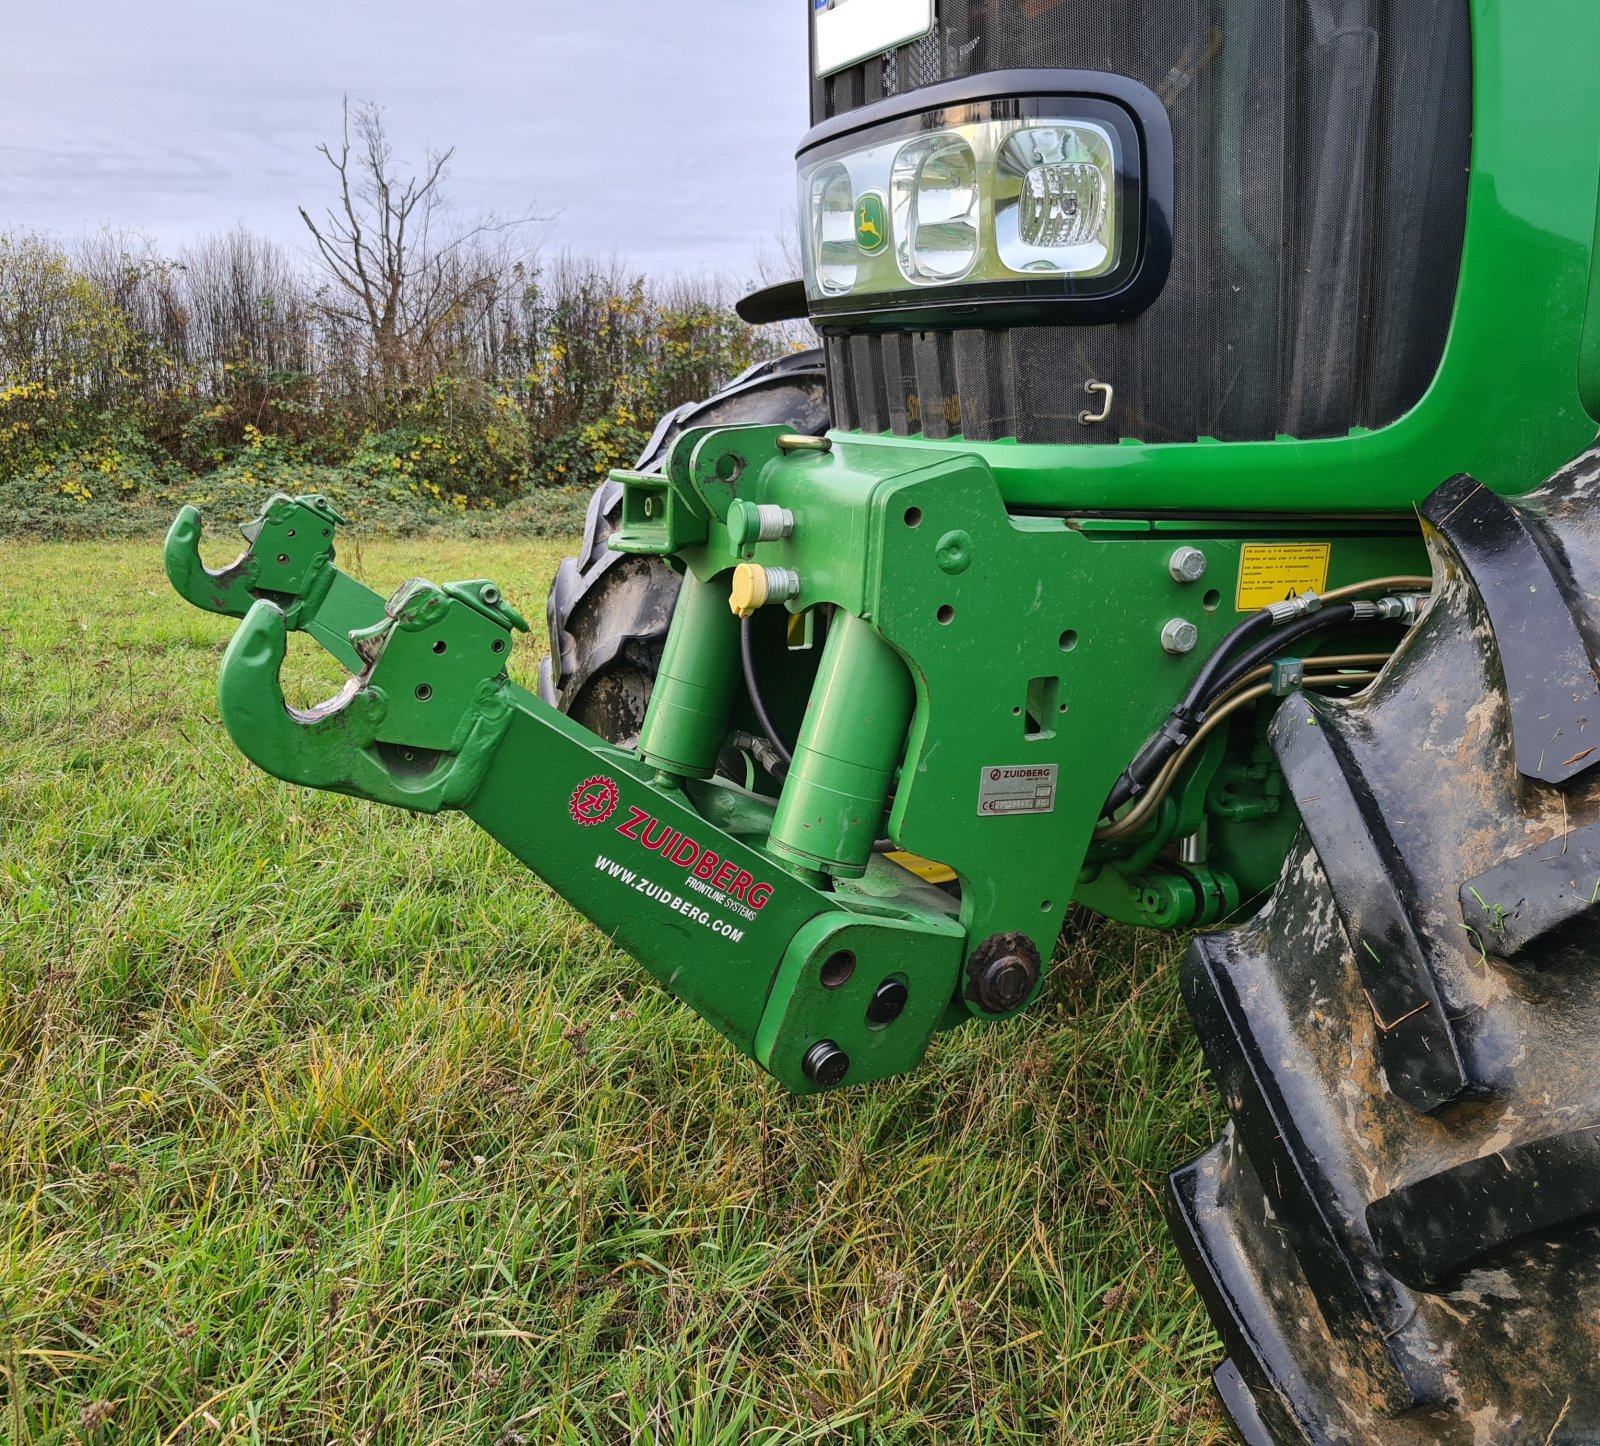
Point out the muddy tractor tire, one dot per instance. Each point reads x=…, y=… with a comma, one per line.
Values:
x=608, y=612
x=1398, y=1234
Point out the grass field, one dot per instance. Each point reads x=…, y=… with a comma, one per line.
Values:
x=321, y=1122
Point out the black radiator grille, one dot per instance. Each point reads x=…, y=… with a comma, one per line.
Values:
x=1321, y=153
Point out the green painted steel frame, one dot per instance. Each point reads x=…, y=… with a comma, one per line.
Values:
x=673, y=870
x=992, y=614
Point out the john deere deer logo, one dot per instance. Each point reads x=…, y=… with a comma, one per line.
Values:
x=870, y=229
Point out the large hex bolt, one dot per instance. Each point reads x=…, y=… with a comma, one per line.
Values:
x=1179, y=637
x=1002, y=972
x=1187, y=564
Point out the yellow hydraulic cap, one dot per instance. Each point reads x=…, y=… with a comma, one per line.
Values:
x=749, y=590
x=755, y=586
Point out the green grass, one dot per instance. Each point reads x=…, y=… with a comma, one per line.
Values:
x=320, y=1122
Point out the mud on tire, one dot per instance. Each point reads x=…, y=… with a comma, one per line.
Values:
x=1398, y=1235
x=608, y=612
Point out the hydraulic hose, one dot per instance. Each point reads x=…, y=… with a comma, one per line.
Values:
x=1136, y=817
x=752, y=686
x=1204, y=685
x=1274, y=643
x=1257, y=638
x=1179, y=725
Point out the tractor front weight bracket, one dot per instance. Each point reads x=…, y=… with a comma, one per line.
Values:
x=671, y=868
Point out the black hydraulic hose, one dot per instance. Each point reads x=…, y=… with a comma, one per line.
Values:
x=1180, y=724
x=1232, y=660
x=1329, y=617
x=1204, y=685
x=1221, y=671
x=753, y=687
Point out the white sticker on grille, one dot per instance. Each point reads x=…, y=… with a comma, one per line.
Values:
x=852, y=30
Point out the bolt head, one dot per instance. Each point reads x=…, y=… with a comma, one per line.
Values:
x=825, y=1064
x=888, y=1000
x=1180, y=636
x=1006, y=983
x=954, y=552
x=1187, y=564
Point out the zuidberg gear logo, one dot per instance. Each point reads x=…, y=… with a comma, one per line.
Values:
x=707, y=877
x=593, y=801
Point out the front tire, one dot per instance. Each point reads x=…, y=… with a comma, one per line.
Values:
x=1398, y=1235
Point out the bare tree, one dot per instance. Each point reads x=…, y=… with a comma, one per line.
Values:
x=409, y=276
x=245, y=303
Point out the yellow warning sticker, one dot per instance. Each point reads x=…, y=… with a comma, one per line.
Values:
x=1272, y=572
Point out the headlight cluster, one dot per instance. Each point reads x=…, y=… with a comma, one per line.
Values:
x=955, y=210
x=1046, y=197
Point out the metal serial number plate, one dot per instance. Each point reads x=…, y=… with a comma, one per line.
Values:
x=1004, y=791
x=852, y=30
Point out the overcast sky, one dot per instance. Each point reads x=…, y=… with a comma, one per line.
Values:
x=659, y=130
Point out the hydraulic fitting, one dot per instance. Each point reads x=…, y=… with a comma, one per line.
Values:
x=1180, y=636
x=1294, y=607
x=1187, y=564
x=754, y=587
x=753, y=522
x=1404, y=608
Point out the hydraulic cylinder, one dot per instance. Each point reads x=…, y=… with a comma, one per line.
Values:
x=692, y=701
x=851, y=741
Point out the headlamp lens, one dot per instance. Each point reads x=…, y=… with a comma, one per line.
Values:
x=1054, y=190
x=934, y=189
x=1061, y=205
x=832, y=212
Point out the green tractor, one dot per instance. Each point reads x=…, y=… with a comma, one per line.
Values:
x=1141, y=542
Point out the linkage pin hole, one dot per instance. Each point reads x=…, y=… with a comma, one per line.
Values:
x=837, y=969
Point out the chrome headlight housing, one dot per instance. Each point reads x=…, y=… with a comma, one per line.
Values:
x=990, y=208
